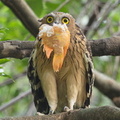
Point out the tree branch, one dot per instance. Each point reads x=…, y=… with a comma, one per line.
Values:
x=94, y=15
x=99, y=113
x=15, y=49
x=21, y=9
x=14, y=100
x=105, y=46
x=108, y=7
x=22, y=49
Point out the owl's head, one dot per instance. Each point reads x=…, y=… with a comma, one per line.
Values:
x=59, y=18
x=55, y=32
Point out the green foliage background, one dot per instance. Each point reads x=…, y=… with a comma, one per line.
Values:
x=12, y=29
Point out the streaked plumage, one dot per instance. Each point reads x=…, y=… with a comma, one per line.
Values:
x=71, y=85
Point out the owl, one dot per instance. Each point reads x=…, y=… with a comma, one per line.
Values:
x=60, y=68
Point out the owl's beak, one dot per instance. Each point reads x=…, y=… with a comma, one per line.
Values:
x=55, y=38
x=56, y=22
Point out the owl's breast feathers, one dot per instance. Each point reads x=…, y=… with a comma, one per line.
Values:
x=79, y=44
x=64, y=48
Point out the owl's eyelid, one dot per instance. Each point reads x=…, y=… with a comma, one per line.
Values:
x=50, y=16
x=40, y=19
x=65, y=17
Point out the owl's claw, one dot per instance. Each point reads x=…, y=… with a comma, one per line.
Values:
x=38, y=113
x=66, y=109
x=51, y=112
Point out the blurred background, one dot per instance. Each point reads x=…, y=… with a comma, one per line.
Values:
x=97, y=18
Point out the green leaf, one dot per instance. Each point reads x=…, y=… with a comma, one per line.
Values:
x=2, y=61
x=5, y=75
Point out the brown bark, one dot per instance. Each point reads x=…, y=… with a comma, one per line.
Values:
x=100, y=113
x=15, y=49
x=107, y=46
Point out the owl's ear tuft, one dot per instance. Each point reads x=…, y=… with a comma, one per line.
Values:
x=40, y=20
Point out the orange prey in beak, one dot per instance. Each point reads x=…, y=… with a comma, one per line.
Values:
x=55, y=38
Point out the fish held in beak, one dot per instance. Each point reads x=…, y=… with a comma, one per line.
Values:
x=55, y=38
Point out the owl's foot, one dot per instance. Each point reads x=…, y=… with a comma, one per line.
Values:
x=66, y=109
x=51, y=112
x=38, y=113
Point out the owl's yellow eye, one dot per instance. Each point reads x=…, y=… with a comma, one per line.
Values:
x=50, y=19
x=65, y=20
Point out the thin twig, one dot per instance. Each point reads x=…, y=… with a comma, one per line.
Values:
x=87, y=10
x=14, y=100
x=108, y=7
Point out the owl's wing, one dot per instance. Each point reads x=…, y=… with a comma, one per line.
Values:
x=87, y=56
x=40, y=101
x=90, y=77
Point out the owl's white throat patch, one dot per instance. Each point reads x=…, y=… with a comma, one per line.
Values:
x=62, y=26
x=46, y=29
x=49, y=30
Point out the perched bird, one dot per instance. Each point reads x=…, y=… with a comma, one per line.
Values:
x=60, y=68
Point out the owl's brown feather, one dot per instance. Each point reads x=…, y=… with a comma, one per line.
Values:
x=72, y=85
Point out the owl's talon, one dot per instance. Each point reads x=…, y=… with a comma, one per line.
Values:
x=51, y=112
x=66, y=109
x=38, y=113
